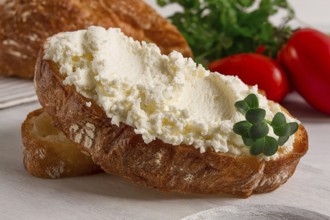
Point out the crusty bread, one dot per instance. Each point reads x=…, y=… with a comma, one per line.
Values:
x=119, y=151
x=24, y=25
x=48, y=153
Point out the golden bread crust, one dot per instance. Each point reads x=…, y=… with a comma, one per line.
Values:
x=24, y=25
x=47, y=153
x=118, y=150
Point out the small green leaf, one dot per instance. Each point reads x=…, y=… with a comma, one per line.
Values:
x=242, y=106
x=293, y=127
x=242, y=128
x=271, y=146
x=259, y=130
x=258, y=146
x=162, y=3
x=255, y=115
x=278, y=120
x=248, y=141
x=283, y=130
x=246, y=3
x=281, y=140
x=188, y=4
x=252, y=101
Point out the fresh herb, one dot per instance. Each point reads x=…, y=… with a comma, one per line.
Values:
x=255, y=129
x=219, y=28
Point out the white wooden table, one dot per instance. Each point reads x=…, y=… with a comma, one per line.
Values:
x=108, y=197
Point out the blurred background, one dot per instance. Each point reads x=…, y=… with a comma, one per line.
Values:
x=315, y=13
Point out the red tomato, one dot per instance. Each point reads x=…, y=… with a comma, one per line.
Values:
x=255, y=69
x=306, y=58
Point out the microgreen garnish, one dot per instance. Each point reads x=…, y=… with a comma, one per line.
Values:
x=254, y=130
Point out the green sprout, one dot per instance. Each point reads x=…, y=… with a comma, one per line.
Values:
x=254, y=130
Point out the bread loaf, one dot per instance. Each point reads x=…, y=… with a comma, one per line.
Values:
x=24, y=25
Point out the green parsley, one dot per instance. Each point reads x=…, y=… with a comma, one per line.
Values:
x=219, y=28
x=254, y=130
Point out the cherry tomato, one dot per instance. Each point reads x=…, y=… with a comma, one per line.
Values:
x=255, y=69
x=306, y=58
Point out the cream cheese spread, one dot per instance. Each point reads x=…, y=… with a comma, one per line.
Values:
x=170, y=98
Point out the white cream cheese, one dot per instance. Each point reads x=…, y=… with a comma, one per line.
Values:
x=166, y=97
